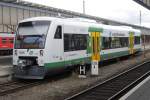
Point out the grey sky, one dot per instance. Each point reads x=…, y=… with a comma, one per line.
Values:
x=120, y=10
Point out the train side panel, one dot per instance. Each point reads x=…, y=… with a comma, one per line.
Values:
x=67, y=44
x=6, y=43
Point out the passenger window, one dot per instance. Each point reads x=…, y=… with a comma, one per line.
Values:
x=11, y=40
x=137, y=40
x=4, y=40
x=73, y=42
x=114, y=42
x=58, y=33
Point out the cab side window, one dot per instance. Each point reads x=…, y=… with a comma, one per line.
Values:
x=58, y=33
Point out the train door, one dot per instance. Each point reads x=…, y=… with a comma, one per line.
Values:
x=95, y=36
x=131, y=42
x=95, y=41
x=58, y=45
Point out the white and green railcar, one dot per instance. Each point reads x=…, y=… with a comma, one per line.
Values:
x=47, y=45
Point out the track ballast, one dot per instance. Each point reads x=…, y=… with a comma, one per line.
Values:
x=12, y=86
x=115, y=87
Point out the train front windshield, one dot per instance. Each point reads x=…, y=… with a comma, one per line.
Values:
x=32, y=35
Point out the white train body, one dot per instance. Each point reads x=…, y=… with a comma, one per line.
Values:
x=65, y=43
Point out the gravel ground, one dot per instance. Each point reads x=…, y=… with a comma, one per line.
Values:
x=58, y=90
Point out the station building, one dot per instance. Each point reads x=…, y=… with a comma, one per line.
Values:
x=12, y=11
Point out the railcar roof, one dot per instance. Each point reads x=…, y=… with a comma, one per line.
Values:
x=82, y=23
x=39, y=18
x=6, y=35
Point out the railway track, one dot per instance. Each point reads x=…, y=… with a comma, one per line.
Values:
x=13, y=86
x=114, y=88
x=16, y=85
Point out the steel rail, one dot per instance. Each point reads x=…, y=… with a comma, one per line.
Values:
x=100, y=89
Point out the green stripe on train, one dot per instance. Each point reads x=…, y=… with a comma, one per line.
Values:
x=87, y=60
x=95, y=29
x=70, y=62
x=114, y=55
x=117, y=54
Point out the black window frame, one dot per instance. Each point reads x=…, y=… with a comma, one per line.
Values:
x=118, y=42
x=75, y=42
x=106, y=43
x=58, y=32
x=137, y=40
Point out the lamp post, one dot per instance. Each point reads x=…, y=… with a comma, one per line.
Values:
x=140, y=20
x=83, y=7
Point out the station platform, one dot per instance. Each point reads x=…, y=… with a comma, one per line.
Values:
x=139, y=92
x=5, y=66
x=147, y=47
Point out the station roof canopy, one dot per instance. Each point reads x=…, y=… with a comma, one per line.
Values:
x=145, y=3
x=9, y=0
x=25, y=4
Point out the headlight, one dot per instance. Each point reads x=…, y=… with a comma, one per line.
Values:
x=15, y=52
x=41, y=62
x=22, y=63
